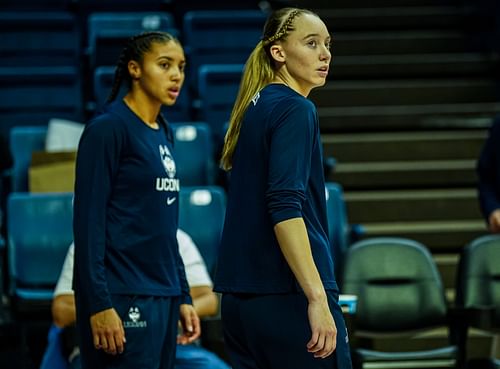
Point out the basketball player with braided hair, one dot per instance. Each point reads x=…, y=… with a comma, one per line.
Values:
x=129, y=280
x=280, y=298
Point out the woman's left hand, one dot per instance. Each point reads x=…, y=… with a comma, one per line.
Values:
x=190, y=323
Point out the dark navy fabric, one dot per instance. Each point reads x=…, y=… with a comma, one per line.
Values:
x=125, y=212
x=488, y=170
x=277, y=175
x=272, y=331
x=150, y=325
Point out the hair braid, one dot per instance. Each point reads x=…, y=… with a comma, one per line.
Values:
x=284, y=29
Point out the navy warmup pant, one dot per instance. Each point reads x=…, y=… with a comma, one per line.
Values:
x=150, y=330
x=271, y=332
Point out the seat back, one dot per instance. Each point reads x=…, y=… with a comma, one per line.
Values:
x=103, y=82
x=194, y=153
x=218, y=87
x=33, y=95
x=49, y=38
x=220, y=36
x=109, y=31
x=201, y=215
x=396, y=278
x=23, y=142
x=338, y=226
x=479, y=275
x=39, y=234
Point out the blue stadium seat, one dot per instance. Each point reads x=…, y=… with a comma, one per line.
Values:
x=340, y=232
x=39, y=38
x=34, y=95
x=103, y=81
x=201, y=215
x=40, y=232
x=89, y=6
x=23, y=141
x=108, y=32
x=218, y=87
x=338, y=225
x=220, y=36
x=34, y=5
x=194, y=153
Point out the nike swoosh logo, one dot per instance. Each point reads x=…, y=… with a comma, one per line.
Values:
x=170, y=200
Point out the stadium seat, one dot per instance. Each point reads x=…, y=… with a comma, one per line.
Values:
x=340, y=232
x=35, y=5
x=103, y=81
x=478, y=290
x=108, y=32
x=33, y=95
x=220, y=37
x=201, y=215
x=217, y=87
x=23, y=142
x=400, y=294
x=194, y=153
x=39, y=234
x=37, y=38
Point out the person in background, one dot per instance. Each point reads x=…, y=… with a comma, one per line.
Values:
x=488, y=173
x=129, y=280
x=190, y=356
x=280, y=298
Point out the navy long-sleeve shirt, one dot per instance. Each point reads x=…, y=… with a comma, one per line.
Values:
x=488, y=171
x=277, y=175
x=125, y=212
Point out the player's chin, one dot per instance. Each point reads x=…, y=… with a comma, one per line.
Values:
x=169, y=101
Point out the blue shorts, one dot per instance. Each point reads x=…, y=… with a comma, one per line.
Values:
x=271, y=331
x=150, y=330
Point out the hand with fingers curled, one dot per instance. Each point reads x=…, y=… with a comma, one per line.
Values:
x=324, y=331
x=190, y=323
x=108, y=332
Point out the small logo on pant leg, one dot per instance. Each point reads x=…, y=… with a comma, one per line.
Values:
x=134, y=315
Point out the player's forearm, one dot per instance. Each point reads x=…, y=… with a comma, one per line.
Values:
x=63, y=310
x=294, y=243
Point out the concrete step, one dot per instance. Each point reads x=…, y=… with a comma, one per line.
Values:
x=405, y=174
x=445, y=236
x=407, y=117
x=401, y=42
x=412, y=205
x=350, y=148
x=396, y=17
x=339, y=4
x=441, y=65
x=447, y=265
x=405, y=92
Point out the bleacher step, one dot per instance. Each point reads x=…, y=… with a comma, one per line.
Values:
x=405, y=174
x=407, y=117
x=441, y=65
x=401, y=42
x=418, y=145
x=412, y=205
x=396, y=17
x=404, y=92
x=445, y=236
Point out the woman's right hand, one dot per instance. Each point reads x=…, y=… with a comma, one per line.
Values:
x=107, y=331
x=324, y=331
x=494, y=221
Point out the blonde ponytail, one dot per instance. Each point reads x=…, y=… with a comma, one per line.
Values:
x=257, y=73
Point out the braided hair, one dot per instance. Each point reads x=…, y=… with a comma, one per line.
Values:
x=135, y=49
